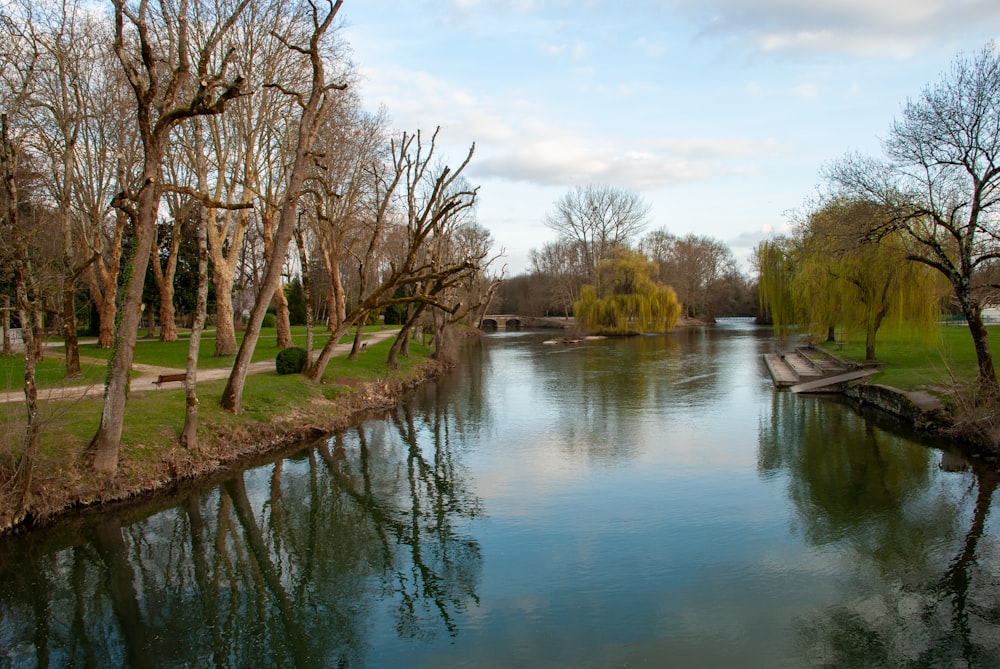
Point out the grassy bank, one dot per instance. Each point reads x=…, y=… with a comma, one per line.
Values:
x=911, y=360
x=278, y=411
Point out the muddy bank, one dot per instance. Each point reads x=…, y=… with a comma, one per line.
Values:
x=58, y=491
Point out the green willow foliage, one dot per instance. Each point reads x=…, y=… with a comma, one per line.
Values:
x=626, y=300
x=776, y=264
x=826, y=276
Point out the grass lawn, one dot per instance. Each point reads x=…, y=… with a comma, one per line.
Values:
x=911, y=360
x=155, y=418
x=150, y=352
x=49, y=373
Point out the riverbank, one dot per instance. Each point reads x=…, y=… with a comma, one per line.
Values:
x=280, y=412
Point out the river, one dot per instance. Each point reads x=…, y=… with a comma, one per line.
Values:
x=648, y=501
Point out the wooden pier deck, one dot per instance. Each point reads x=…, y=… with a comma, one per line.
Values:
x=807, y=369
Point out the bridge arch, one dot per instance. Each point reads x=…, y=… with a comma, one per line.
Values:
x=500, y=322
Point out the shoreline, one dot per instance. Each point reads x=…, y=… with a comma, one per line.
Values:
x=226, y=449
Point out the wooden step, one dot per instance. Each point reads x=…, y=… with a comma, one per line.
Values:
x=832, y=383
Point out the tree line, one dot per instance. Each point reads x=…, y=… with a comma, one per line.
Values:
x=910, y=234
x=602, y=233
x=231, y=129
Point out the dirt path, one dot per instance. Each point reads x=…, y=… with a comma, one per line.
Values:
x=148, y=374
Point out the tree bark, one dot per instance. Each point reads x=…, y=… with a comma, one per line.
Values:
x=104, y=445
x=306, y=294
x=225, y=330
x=224, y=276
x=189, y=435
x=73, y=369
x=283, y=326
x=165, y=282
x=981, y=340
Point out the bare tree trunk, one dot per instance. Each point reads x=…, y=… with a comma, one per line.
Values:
x=224, y=275
x=981, y=341
x=27, y=307
x=104, y=445
x=165, y=282
x=401, y=342
x=73, y=370
x=358, y=333
x=284, y=327
x=7, y=349
x=37, y=317
x=338, y=296
x=225, y=332
x=306, y=295
x=168, y=324
x=159, y=109
x=189, y=435
x=104, y=286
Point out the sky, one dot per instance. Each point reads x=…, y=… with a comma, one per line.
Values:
x=720, y=114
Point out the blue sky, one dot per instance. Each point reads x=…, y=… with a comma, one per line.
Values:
x=720, y=113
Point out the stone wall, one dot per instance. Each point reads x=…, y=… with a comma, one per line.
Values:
x=922, y=409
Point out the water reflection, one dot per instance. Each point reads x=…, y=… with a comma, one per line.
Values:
x=923, y=590
x=644, y=501
x=279, y=566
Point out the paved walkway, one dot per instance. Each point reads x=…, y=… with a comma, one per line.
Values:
x=146, y=381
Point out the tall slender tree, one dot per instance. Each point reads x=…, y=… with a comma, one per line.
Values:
x=313, y=104
x=190, y=38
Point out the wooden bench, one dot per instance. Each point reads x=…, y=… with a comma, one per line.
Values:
x=167, y=378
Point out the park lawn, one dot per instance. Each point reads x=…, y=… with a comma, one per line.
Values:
x=49, y=373
x=174, y=354
x=911, y=360
x=154, y=419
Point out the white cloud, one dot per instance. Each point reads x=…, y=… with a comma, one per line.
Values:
x=807, y=89
x=895, y=28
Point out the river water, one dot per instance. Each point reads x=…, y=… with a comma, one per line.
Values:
x=649, y=501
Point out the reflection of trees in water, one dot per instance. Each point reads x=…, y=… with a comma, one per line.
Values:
x=426, y=564
x=280, y=566
x=866, y=491
x=600, y=388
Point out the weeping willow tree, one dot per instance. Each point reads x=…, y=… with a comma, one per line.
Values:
x=870, y=284
x=777, y=264
x=626, y=300
x=829, y=274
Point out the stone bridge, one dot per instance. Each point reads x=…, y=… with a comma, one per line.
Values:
x=516, y=322
x=501, y=322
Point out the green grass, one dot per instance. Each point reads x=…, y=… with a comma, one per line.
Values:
x=156, y=418
x=911, y=360
x=49, y=373
x=174, y=354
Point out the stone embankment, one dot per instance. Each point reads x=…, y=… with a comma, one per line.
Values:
x=923, y=410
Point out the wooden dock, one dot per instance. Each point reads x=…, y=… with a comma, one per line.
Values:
x=810, y=370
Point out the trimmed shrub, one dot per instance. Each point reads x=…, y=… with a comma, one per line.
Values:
x=270, y=321
x=290, y=360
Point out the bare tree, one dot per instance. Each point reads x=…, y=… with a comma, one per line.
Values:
x=694, y=266
x=564, y=264
x=940, y=184
x=599, y=217
x=313, y=104
x=431, y=198
x=198, y=82
x=108, y=152
x=69, y=42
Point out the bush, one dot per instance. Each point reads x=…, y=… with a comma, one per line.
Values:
x=290, y=360
x=270, y=321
